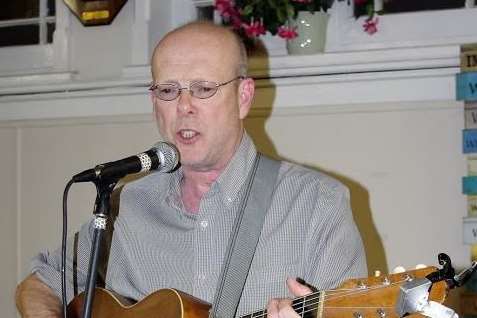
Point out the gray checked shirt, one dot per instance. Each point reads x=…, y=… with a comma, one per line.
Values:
x=308, y=232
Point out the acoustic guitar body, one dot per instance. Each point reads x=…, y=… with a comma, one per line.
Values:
x=164, y=303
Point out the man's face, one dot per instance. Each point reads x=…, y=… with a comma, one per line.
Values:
x=206, y=131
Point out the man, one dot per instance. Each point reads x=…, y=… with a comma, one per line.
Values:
x=172, y=229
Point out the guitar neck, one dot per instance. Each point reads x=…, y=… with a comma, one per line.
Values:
x=303, y=306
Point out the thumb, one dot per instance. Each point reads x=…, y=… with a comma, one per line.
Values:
x=296, y=288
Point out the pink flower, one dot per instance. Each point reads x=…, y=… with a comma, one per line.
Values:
x=254, y=29
x=360, y=2
x=236, y=21
x=371, y=25
x=228, y=11
x=287, y=32
x=226, y=8
x=223, y=6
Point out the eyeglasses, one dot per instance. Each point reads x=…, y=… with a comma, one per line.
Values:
x=199, y=89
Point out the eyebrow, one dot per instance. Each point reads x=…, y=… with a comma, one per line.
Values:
x=168, y=81
x=174, y=81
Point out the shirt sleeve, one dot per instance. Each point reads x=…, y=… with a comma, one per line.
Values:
x=47, y=265
x=335, y=249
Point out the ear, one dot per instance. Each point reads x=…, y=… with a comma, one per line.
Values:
x=246, y=92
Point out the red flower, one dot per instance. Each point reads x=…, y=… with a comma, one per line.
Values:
x=287, y=32
x=229, y=12
x=371, y=25
x=360, y=2
x=254, y=29
x=223, y=6
x=226, y=9
x=236, y=21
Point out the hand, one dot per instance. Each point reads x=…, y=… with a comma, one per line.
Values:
x=281, y=307
x=36, y=300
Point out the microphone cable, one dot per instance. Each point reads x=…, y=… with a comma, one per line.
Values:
x=63, y=246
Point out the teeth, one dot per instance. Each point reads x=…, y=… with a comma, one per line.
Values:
x=187, y=134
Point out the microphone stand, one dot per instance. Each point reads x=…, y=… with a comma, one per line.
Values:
x=101, y=212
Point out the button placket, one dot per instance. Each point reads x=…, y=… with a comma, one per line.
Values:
x=206, y=241
x=204, y=224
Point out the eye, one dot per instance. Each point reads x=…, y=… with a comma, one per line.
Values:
x=165, y=90
x=203, y=89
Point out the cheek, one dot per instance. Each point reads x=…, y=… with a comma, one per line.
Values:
x=164, y=119
x=225, y=123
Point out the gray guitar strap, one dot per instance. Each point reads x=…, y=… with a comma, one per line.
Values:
x=244, y=236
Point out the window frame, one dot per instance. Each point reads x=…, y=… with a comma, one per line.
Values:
x=400, y=30
x=42, y=57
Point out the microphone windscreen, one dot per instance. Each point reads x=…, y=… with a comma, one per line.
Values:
x=168, y=156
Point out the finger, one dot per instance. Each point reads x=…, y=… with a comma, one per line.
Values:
x=296, y=288
x=285, y=309
x=272, y=308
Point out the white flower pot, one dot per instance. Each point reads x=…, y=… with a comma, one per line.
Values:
x=311, y=28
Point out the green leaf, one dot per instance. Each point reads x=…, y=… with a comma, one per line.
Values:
x=370, y=9
x=247, y=10
x=291, y=13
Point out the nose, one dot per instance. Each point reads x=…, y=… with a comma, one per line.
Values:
x=184, y=104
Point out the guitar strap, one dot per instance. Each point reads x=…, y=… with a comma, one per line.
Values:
x=244, y=236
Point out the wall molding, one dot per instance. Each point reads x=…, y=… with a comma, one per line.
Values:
x=255, y=112
x=419, y=74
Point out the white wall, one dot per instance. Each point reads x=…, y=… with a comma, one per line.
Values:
x=8, y=218
x=99, y=52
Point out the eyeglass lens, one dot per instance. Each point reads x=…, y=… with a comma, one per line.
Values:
x=200, y=89
x=170, y=91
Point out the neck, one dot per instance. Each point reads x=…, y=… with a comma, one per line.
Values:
x=197, y=182
x=194, y=185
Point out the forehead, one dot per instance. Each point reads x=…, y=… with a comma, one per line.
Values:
x=195, y=55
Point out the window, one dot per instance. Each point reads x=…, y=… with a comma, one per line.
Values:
x=408, y=27
x=27, y=22
x=34, y=37
x=394, y=6
x=205, y=13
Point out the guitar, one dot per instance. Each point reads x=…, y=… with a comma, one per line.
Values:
x=355, y=298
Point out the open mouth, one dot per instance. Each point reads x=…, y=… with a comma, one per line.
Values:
x=187, y=136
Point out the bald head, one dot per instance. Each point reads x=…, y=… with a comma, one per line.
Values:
x=202, y=38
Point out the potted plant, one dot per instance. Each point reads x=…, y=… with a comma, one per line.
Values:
x=253, y=18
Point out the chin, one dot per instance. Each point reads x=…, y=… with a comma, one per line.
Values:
x=193, y=163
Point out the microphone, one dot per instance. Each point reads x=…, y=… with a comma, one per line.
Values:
x=163, y=156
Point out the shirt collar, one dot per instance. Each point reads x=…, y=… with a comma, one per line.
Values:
x=230, y=181
x=173, y=197
x=235, y=174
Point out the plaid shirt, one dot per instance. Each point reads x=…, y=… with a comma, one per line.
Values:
x=308, y=232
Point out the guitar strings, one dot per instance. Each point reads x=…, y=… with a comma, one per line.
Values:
x=340, y=293
x=312, y=301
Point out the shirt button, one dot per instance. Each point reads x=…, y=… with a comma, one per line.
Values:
x=204, y=224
